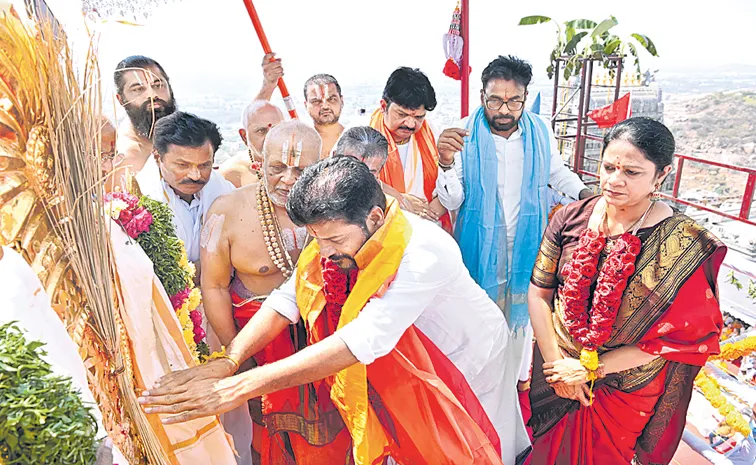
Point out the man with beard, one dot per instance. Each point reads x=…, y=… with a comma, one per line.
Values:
x=249, y=248
x=506, y=149
x=323, y=100
x=144, y=91
x=258, y=118
x=409, y=348
x=428, y=188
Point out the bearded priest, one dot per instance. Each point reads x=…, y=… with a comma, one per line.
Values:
x=410, y=349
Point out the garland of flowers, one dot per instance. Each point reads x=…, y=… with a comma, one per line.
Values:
x=150, y=223
x=592, y=328
x=713, y=393
x=737, y=349
x=337, y=284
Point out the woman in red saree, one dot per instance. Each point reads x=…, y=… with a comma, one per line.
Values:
x=653, y=322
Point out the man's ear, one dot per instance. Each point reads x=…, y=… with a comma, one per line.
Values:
x=384, y=105
x=119, y=97
x=243, y=135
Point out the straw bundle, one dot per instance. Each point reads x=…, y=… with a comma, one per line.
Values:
x=54, y=114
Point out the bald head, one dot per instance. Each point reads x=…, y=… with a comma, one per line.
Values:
x=257, y=119
x=289, y=148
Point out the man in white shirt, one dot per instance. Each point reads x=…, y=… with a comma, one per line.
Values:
x=513, y=153
x=429, y=188
x=181, y=175
x=411, y=285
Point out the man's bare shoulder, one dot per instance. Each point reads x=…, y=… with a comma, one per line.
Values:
x=231, y=201
x=234, y=169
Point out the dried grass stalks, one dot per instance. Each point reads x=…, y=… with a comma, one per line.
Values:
x=40, y=81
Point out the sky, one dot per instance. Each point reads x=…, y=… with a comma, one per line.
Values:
x=361, y=42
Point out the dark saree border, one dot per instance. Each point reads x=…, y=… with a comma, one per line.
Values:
x=672, y=253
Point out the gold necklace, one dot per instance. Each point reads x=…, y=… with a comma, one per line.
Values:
x=634, y=227
x=272, y=233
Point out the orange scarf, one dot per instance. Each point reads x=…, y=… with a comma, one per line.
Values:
x=425, y=412
x=393, y=171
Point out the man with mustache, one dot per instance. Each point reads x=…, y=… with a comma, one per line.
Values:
x=410, y=349
x=144, y=91
x=184, y=150
x=323, y=100
x=427, y=187
x=249, y=248
x=245, y=168
x=506, y=149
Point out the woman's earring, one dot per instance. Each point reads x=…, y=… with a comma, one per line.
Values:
x=656, y=195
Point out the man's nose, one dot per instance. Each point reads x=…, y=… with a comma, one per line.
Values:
x=194, y=174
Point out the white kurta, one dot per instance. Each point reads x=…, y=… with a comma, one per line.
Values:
x=187, y=217
x=448, y=187
x=434, y=291
x=511, y=156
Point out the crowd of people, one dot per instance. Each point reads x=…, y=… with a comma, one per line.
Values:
x=374, y=291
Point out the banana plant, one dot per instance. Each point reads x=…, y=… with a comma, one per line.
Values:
x=584, y=38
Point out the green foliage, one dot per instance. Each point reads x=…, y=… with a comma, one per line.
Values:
x=732, y=279
x=583, y=38
x=163, y=247
x=42, y=418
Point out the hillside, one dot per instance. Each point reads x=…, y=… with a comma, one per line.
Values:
x=719, y=127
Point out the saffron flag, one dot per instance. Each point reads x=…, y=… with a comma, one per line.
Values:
x=608, y=116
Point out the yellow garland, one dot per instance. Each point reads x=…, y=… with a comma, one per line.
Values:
x=713, y=393
x=189, y=305
x=589, y=359
x=735, y=350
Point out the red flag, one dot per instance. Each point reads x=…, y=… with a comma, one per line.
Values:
x=610, y=115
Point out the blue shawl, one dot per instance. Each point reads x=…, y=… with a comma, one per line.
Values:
x=481, y=228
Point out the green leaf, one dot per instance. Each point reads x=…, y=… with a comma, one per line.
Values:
x=646, y=42
x=604, y=26
x=531, y=20
x=634, y=53
x=569, y=49
x=581, y=24
x=611, y=46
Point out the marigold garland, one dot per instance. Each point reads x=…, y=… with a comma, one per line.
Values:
x=150, y=223
x=713, y=393
x=737, y=349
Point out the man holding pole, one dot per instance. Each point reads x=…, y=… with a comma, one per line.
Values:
x=323, y=100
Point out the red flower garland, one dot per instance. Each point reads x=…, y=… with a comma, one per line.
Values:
x=337, y=283
x=593, y=328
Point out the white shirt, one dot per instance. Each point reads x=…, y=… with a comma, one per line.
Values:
x=187, y=217
x=434, y=291
x=511, y=155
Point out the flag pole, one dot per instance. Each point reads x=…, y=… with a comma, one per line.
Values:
x=288, y=101
x=465, y=65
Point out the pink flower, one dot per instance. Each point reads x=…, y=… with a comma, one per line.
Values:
x=178, y=299
x=139, y=223
x=130, y=199
x=199, y=334
x=196, y=318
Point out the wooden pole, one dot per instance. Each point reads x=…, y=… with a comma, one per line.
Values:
x=465, y=65
x=288, y=101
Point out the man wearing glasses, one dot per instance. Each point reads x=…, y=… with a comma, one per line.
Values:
x=506, y=149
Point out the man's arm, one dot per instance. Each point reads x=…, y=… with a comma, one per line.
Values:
x=272, y=72
x=561, y=177
x=215, y=257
